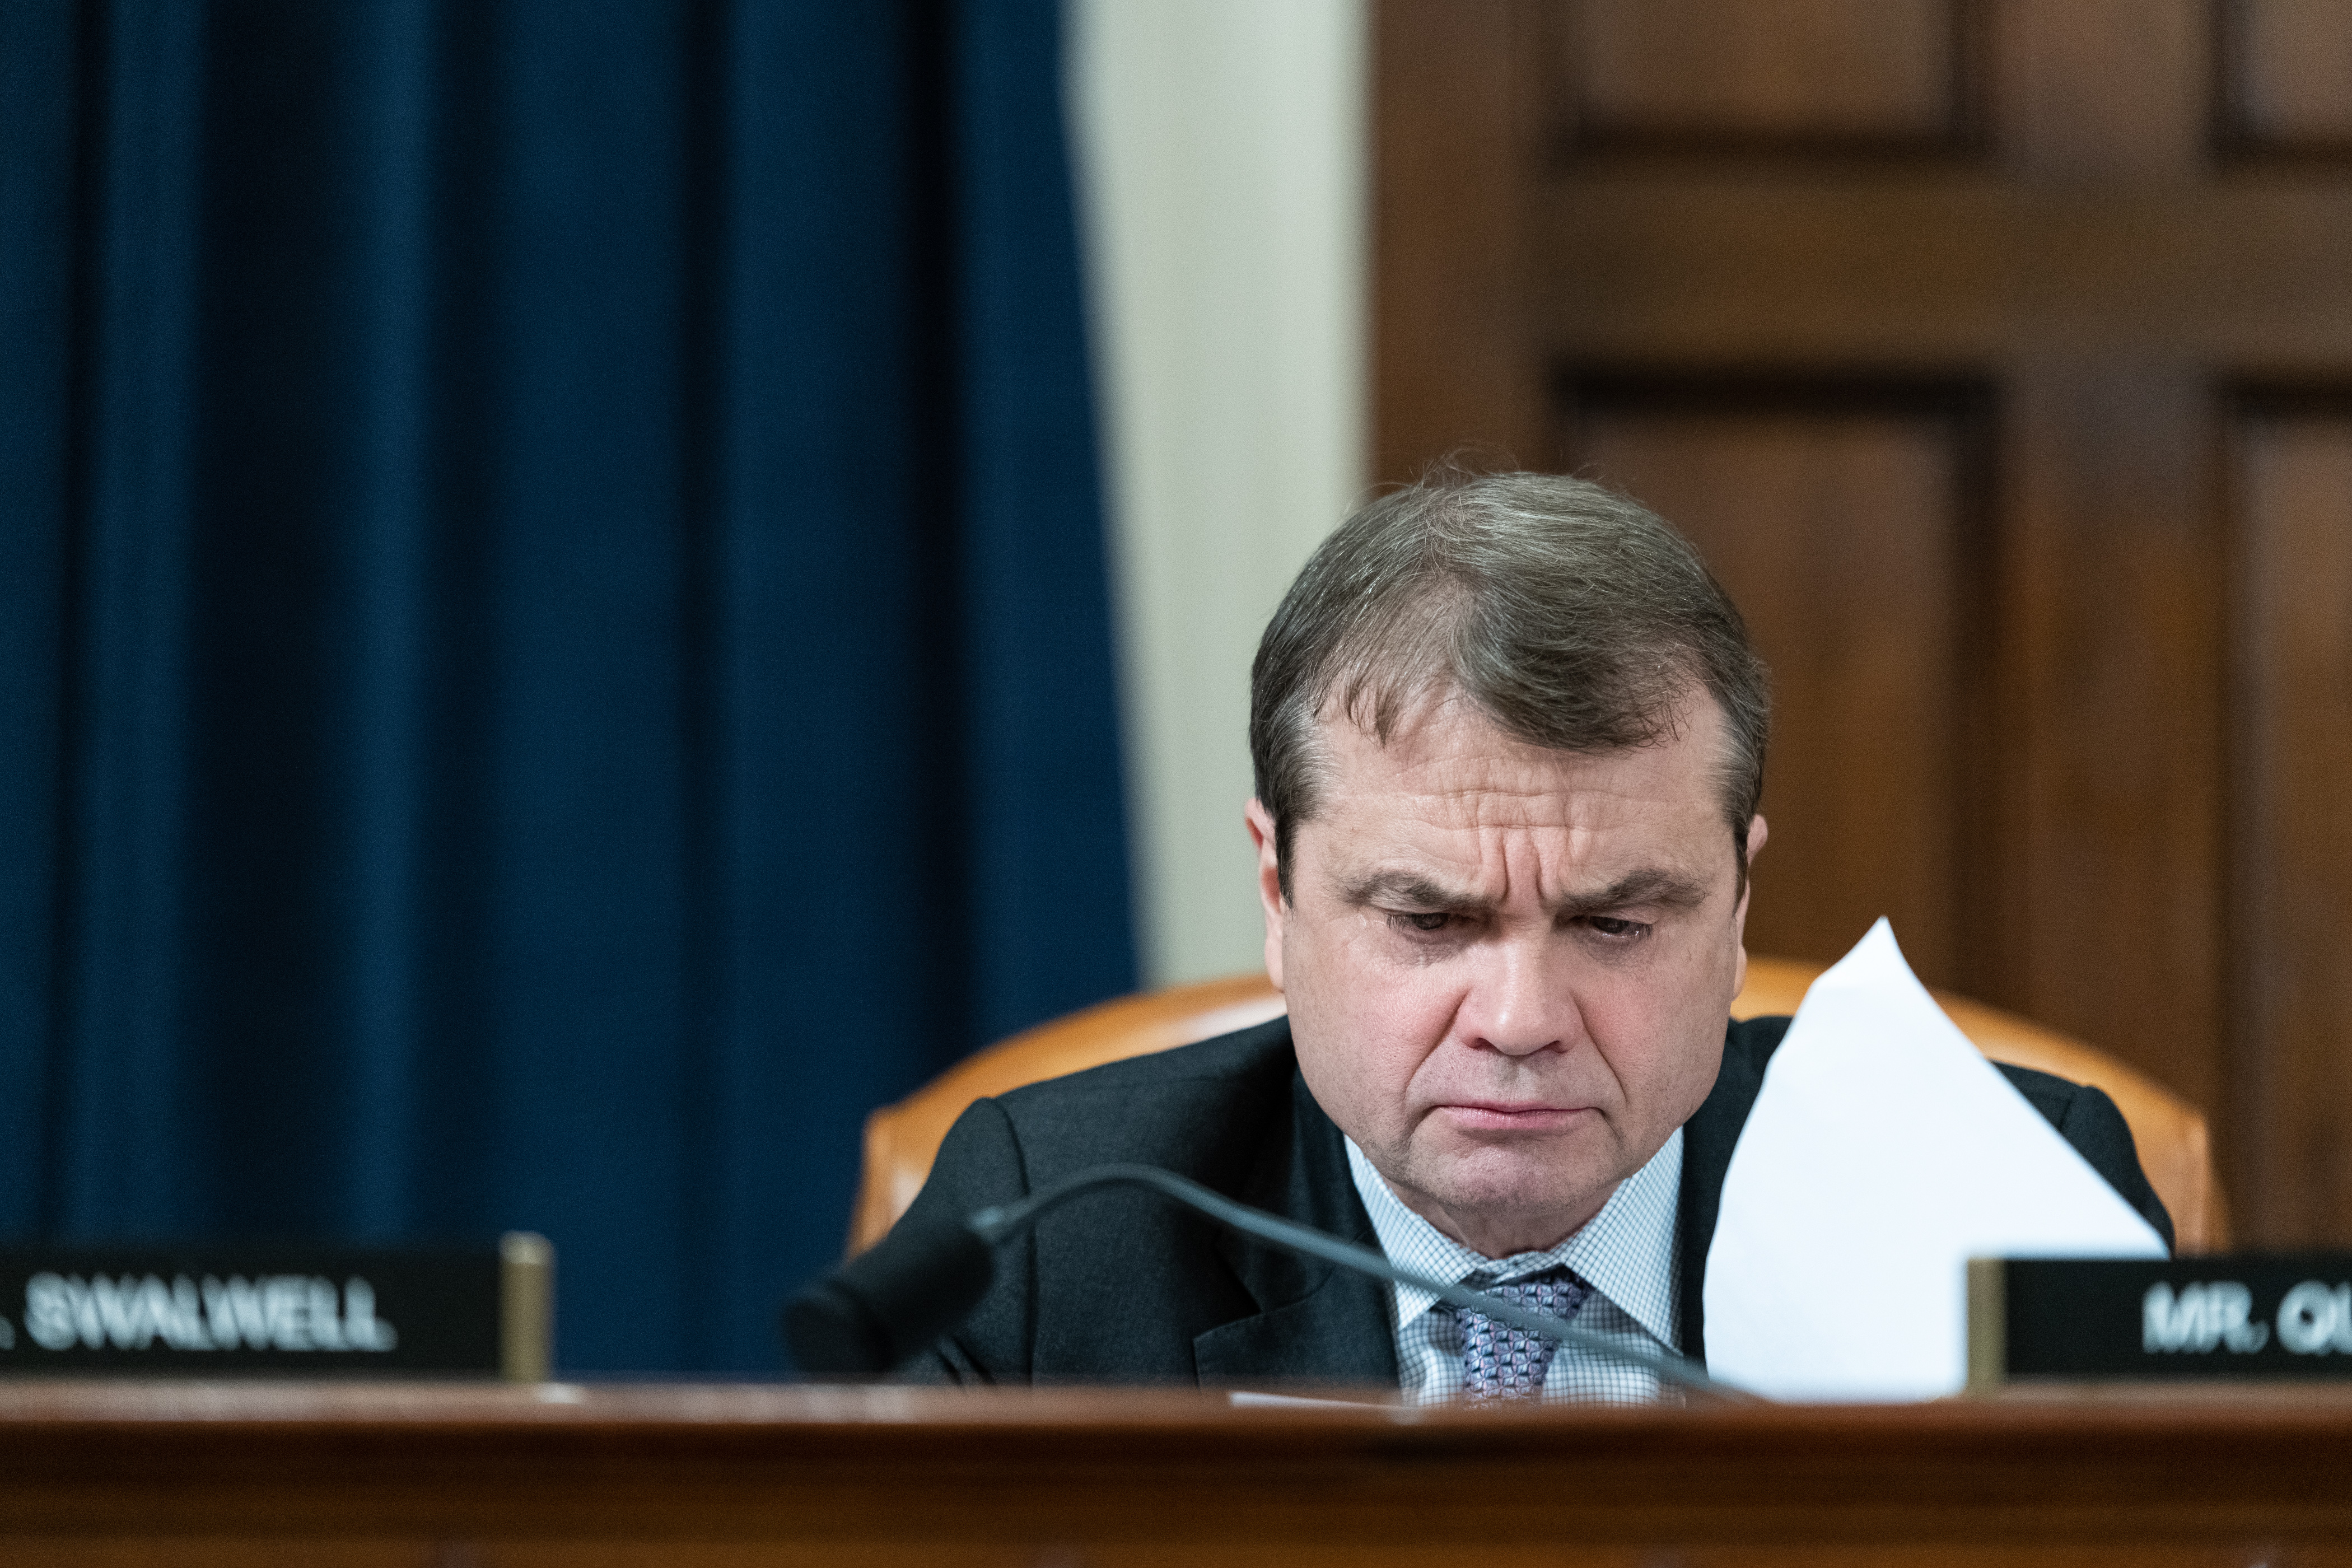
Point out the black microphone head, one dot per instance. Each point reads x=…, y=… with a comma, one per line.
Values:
x=891, y=1302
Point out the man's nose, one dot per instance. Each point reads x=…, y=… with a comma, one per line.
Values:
x=1516, y=1005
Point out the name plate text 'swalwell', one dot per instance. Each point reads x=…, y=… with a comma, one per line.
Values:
x=227, y=1309
x=2269, y=1316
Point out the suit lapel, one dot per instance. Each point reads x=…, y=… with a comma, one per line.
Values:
x=1316, y=1322
x=1709, y=1139
x=1337, y=1333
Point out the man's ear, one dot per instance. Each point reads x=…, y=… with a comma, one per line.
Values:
x=1758, y=832
x=1269, y=884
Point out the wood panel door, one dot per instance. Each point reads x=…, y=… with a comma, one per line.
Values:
x=2000, y=357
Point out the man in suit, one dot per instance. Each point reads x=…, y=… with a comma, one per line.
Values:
x=1508, y=736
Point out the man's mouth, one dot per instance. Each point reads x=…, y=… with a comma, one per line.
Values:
x=1513, y=1116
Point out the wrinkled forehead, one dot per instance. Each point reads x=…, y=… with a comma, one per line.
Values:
x=1444, y=752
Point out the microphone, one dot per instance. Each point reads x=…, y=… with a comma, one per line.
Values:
x=892, y=1302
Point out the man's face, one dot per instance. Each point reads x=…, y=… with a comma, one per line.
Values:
x=1508, y=968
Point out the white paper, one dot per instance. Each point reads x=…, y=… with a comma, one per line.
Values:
x=1883, y=1153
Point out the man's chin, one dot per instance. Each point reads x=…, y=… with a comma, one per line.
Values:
x=1536, y=1157
x=1518, y=1195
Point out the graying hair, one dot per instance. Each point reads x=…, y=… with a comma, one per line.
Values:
x=1572, y=615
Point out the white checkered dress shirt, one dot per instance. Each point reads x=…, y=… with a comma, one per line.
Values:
x=1626, y=1253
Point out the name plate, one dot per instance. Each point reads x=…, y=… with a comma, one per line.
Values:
x=231, y=1311
x=2272, y=1316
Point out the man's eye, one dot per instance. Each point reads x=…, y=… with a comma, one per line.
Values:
x=1421, y=920
x=1614, y=927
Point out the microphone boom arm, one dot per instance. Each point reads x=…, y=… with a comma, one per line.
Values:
x=997, y=1224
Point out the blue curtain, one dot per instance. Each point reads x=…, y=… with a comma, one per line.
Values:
x=553, y=636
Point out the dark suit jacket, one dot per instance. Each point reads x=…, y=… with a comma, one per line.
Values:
x=1124, y=1287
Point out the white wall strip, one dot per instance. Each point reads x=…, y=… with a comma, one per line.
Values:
x=1221, y=150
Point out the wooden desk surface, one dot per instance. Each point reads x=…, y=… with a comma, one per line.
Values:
x=417, y=1474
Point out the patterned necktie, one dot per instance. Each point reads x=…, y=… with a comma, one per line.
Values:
x=1502, y=1362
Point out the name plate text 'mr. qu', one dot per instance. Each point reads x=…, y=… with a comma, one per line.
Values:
x=2249, y=1316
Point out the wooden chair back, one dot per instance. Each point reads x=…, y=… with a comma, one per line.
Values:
x=902, y=1139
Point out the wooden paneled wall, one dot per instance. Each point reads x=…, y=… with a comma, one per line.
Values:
x=2293, y=848
x=1999, y=355
x=1869, y=632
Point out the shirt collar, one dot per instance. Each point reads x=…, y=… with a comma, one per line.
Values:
x=1627, y=1251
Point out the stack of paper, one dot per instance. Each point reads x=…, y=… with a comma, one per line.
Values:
x=1883, y=1153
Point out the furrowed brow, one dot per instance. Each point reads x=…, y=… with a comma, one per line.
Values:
x=1652, y=886
x=1410, y=890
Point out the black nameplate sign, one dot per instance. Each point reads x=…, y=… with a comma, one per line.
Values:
x=233, y=1311
x=2271, y=1316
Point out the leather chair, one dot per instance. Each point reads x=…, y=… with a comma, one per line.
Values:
x=902, y=1139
